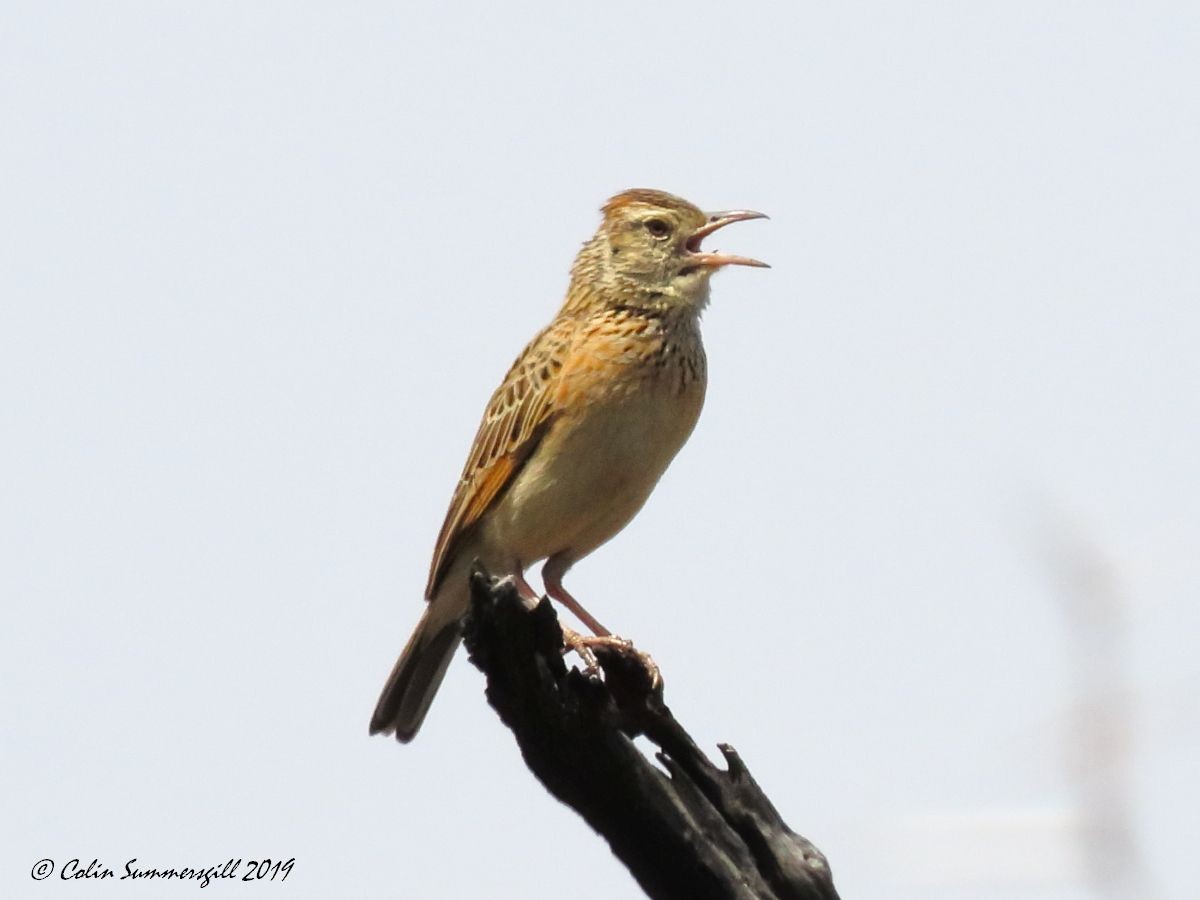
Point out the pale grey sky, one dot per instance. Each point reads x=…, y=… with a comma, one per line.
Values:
x=262, y=264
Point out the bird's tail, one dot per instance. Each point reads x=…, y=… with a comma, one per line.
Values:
x=419, y=671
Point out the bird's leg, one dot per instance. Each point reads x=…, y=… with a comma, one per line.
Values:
x=552, y=577
x=602, y=637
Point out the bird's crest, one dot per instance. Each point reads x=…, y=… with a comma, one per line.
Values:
x=648, y=197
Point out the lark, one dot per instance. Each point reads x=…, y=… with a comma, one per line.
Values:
x=579, y=432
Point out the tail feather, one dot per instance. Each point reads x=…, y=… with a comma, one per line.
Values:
x=419, y=671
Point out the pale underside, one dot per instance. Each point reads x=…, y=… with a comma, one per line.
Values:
x=574, y=440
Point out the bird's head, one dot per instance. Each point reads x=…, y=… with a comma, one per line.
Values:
x=647, y=251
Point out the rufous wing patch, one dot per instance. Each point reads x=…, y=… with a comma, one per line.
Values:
x=516, y=418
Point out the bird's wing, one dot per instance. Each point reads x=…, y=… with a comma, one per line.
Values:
x=516, y=418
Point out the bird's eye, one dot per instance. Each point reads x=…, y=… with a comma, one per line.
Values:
x=658, y=227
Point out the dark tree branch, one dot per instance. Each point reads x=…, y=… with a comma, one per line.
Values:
x=699, y=832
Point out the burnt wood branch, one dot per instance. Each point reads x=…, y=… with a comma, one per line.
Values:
x=699, y=831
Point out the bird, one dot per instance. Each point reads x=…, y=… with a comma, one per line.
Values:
x=578, y=433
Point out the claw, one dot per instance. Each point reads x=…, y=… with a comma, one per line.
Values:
x=573, y=640
x=583, y=646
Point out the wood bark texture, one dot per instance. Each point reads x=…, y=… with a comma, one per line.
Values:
x=687, y=830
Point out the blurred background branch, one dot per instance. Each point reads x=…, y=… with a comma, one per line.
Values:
x=1099, y=739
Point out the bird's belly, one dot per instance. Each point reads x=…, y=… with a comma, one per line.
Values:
x=591, y=474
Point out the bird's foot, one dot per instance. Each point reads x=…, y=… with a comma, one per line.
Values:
x=585, y=646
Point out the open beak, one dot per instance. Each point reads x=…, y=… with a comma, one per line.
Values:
x=716, y=221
